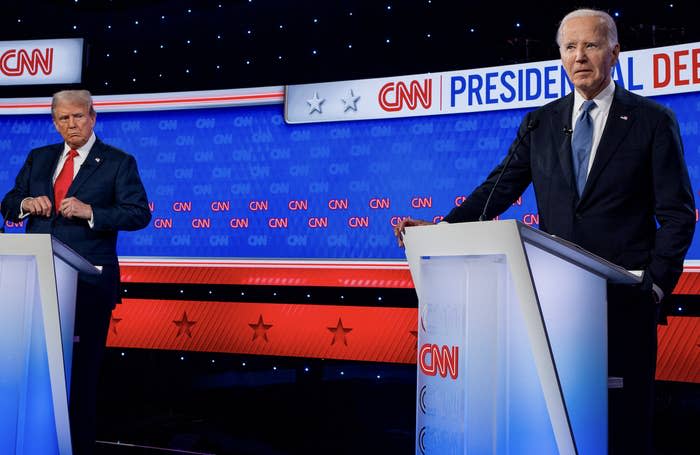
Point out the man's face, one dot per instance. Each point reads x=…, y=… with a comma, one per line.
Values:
x=586, y=54
x=74, y=123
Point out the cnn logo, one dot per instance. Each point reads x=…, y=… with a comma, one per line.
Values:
x=14, y=62
x=393, y=96
x=434, y=359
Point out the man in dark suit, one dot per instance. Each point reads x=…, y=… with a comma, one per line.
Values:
x=83, y=192
x=608, y=172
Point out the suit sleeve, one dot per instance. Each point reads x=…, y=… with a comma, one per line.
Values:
x=674, y=205
x=12, y=200
x=515, y=180
x=129, y=210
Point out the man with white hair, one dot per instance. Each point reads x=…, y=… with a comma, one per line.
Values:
x=609, y=174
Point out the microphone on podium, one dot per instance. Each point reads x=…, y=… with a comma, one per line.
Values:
x=532, y=125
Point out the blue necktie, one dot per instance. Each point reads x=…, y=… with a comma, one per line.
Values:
x=581, y=143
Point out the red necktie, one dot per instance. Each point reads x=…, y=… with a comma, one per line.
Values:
x=64, y=179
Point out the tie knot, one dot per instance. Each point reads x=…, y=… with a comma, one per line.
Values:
x=72, y=153
x=587, y=106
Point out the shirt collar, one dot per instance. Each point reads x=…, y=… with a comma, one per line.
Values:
x=85, y=149
x=603, y=100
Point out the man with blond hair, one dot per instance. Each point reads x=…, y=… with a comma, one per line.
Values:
x=83, y=192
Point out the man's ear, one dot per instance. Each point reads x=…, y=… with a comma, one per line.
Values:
x=616, y=53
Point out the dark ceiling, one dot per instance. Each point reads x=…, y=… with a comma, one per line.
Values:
x=177, y=45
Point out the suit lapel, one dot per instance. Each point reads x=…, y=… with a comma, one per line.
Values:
x=620, y=120
x=561, y=127
x=92, y=162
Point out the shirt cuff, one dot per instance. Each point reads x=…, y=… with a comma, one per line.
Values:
x=23, y=215
x=658, y=292
x=91, y=221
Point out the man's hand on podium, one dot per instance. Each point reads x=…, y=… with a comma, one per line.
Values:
x=400, y=228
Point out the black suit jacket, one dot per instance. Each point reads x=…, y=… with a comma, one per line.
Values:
x=109, y=181
x=637, y=209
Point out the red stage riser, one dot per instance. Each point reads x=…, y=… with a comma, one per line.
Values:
x=290, y=330
x=374, y=334
x=678, y=357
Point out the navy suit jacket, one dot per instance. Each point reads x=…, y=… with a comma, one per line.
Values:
x=637, y=208
x=109, y=181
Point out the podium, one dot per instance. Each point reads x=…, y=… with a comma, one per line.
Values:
x=38, y=278
x=512, y=340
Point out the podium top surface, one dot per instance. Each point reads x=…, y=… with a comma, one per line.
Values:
x=36, y=244
x=572, y=252
x=498, y=237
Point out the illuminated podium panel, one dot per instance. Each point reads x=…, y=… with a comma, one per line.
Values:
x=38, y=278
x=512, y=336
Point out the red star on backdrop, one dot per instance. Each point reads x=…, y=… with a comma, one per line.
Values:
x=260, y=329
x=113, y=324
x=183, y=325
x=339, y=333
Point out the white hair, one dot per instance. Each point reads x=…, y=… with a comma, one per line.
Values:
x=605, y=20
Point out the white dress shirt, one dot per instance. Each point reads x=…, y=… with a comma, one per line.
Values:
x=599, y=115
x=78, y=160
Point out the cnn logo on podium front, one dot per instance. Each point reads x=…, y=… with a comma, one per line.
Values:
x=434, y=359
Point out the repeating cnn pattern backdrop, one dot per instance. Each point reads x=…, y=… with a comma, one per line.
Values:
x=239, y=182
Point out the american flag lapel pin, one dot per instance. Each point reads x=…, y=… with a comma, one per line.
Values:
x=98, y=160
x=624, y=117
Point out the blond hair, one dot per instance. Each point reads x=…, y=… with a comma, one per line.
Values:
x=82, y=97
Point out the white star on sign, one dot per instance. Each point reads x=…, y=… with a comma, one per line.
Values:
x=315, y=103
x=350, y=102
